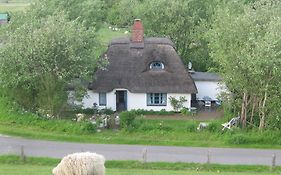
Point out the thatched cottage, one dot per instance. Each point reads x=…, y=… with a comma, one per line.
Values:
x=142, y=74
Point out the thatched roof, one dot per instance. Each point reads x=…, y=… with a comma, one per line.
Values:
x=129, y=63
x=205, y=76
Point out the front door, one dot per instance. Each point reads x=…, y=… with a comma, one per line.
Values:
x=121, y=100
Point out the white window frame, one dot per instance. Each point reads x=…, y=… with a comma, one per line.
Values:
x=156, y=99
x=153, y=65
x=102, y=99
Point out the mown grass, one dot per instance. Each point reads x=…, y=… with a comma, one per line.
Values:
x=46, y=170
x=14, y=5
x=106, y=34
x=13, y=165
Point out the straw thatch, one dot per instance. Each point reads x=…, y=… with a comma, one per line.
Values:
x=129, y=68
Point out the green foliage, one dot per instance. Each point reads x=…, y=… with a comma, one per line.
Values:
x=155, y=126
x=239, y=139
x=57, y=52
x=177, y=104
x=123, y=13
x=107, y=111
x=13, y=115
x=214, y=127
x=184, y=22
x=191, y=127
x=252, y=137
x=152, y=112
x=185, y=112
x=90, y=13
x=250, y=47
x=127, y=119
x=51, y=96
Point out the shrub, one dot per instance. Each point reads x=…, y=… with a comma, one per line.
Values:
x=177, y=104
x=127, y=119
x=185, y=111
x=88, y=127
x=151, y=112
x=88, y=111
x=106, y=111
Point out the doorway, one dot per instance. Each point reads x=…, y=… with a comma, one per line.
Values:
x=121, y=100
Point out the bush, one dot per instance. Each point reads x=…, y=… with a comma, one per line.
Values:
x=151, y=112
x=106, y=111
x=127, y=119
x=88, y=127
x=177, y=104
x=185, y=111
x=88, y=111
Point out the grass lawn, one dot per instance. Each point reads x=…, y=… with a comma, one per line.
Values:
x=46, y=170
x=12, y=165
x=154, y=137
x=106, y=34
x=12, y=7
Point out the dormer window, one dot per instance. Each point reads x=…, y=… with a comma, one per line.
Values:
x=156, y=65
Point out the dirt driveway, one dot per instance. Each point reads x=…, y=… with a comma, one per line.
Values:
x=201, y=116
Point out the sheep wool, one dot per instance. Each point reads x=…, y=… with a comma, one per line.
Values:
x=85, y=163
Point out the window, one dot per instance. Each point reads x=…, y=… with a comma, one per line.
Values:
x=102, y=99
x=156, y=65
x=156, y=99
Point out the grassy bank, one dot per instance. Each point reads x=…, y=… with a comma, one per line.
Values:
x=147, y=132
x=13, y=165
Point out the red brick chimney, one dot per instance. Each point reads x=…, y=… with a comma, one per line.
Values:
x=137, y=32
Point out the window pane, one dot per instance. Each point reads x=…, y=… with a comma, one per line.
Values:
x=161, y=98
x=157, y=65
x=102, y=99
x=164, y=99
x=157, y=99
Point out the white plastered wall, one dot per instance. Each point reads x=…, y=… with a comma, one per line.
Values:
x=134, y=101
x=208, y=88
x=139, y=101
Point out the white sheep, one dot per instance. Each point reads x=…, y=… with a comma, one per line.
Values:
x=85, y=163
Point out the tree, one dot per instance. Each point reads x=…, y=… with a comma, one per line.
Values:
x=91, y=13
x=123, y=12
x=244, y=42
x=184, y=22
x=42, y=57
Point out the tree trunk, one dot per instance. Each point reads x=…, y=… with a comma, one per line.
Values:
x=262, y=117
x=253, y=110
x=243, y=110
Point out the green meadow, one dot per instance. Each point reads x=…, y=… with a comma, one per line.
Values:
x=13, y=165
